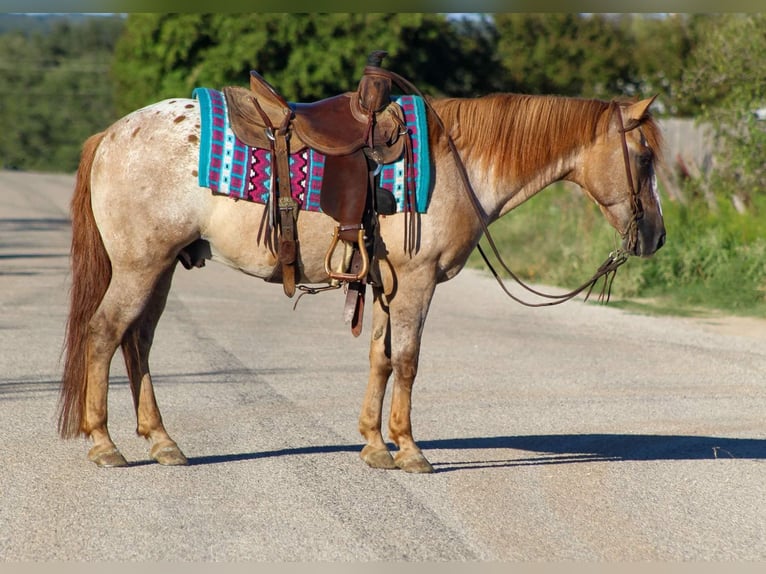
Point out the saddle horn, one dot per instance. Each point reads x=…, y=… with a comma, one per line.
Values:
x=374, y=87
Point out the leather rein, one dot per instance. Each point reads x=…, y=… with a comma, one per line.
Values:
x=607, y=270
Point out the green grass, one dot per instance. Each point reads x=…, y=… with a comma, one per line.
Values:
x=712, y=262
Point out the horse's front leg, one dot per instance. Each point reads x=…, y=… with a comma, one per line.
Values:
x=397, y=330
x=407, y=323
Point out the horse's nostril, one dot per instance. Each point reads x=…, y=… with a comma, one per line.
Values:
x=661, y=240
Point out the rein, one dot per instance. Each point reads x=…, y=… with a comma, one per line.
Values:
x=607, y=270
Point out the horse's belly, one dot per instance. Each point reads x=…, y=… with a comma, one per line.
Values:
x=238, y=235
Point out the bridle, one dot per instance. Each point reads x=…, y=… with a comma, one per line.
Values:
x=636, y=205
x=607, y=270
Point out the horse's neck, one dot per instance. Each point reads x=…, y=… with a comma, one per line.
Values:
x=499, y=187
x=499, y=191
x=551, y=173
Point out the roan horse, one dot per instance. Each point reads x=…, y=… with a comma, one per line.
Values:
x=134, y=211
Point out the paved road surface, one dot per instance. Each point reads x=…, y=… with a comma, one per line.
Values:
x=574, y=433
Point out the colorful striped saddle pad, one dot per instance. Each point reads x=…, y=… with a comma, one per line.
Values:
x=229, y=167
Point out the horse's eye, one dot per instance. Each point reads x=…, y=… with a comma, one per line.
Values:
x=644, y=159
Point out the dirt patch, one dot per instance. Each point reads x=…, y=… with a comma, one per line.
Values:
x=729, y=325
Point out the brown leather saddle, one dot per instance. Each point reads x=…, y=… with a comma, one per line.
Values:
x=356, y=131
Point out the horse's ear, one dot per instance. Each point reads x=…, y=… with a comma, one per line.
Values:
x=637, y=111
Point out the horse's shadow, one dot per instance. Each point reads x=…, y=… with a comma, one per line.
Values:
x=545, y=450
x=578, y=448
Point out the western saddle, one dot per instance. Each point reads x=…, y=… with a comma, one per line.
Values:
x=357, y=132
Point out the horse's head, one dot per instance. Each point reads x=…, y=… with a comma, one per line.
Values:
x=617, y=172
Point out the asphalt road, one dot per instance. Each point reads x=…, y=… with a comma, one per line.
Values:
x=580, y=432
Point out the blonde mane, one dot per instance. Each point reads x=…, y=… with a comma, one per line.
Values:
x=517, y=135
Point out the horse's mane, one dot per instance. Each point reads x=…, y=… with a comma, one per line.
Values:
x=503, y=131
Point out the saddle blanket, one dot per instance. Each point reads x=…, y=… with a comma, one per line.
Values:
x=229, y=167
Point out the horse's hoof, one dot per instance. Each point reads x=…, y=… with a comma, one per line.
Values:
x=413, y=462
x=107, y=457
x=168, y=455
x=378, y=458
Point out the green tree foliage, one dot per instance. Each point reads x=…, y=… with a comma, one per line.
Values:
x=55, y=92
x=596, y=55
x=661, y=51
x=567, y=54
x=726, y=78
x=305, y=56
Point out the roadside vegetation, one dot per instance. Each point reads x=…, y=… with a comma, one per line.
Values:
x=64, y=77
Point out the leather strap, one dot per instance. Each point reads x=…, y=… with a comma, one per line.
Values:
x=638, y=210
x=353, y=312
x=283, y=209
x=288, y=208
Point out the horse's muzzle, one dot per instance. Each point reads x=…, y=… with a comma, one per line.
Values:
x=648, y=240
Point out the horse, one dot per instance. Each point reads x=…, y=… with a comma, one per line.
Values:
x=137, y=209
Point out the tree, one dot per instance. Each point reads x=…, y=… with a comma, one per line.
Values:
x=727, y=79
x=17, y=114
x=566, y=54
x=663, y=46
x=305, y=56
x=55, y=92
x=597, y=55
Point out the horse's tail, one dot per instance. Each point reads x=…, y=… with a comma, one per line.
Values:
x=91, y=273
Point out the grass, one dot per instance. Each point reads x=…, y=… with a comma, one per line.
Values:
x=712, y=261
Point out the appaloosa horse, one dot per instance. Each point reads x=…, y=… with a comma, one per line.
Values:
x=137, y=206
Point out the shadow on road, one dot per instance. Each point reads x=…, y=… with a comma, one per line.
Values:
x=20, y=242
x=548, y=449
x=575, y=448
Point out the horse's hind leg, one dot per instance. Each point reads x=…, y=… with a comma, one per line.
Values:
x=136, y=345
x=123, y=303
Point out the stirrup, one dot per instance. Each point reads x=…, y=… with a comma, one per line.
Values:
x=347, y=276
